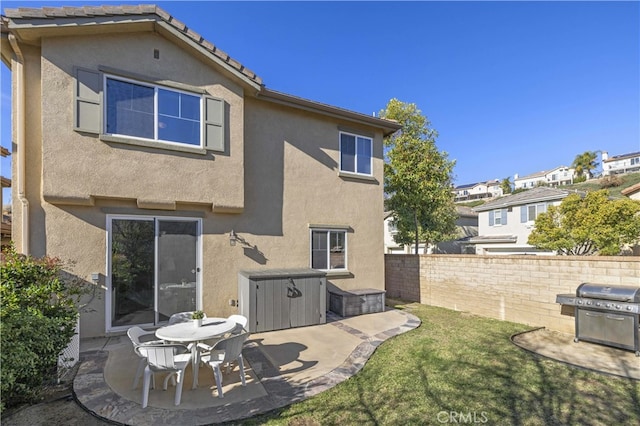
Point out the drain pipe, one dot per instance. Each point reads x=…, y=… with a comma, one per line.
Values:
x=20, y=141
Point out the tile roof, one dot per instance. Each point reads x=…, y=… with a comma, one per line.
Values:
x=57, y=13
x=27, y=18
x=542, y=193
x=541, y=173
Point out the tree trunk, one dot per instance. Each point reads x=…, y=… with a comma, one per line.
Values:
x=415, y=224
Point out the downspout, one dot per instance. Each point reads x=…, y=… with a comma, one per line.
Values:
x=20, y=142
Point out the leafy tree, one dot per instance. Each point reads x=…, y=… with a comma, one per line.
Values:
x=506, y=185
x=584, y=164
x=587, y=226
x=417, y=178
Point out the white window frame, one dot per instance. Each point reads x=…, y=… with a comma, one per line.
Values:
x=539, y=208
x=328, y=232
x=155, y=88
x=355, y=161
x=497, y=217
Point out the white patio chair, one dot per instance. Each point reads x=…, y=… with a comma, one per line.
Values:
x=169, y=358
x=138, y=337
x=241, y=322
x=225, y=351
x=181, y=317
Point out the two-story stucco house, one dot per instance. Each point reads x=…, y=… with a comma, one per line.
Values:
x=466, y=227
x=477, y=191
x=619, y=164
x=504, y=224
x=561, y=175
x=163, y=167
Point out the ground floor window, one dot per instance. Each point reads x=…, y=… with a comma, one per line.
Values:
x=153, y=269
x=328, y=249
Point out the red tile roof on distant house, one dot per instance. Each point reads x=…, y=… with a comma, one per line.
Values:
x=631, y=190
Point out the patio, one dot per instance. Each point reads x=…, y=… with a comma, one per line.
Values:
x=282, y=367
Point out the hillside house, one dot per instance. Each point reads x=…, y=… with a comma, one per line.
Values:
x=504, y=224
x=620, y=164
x=558, y=176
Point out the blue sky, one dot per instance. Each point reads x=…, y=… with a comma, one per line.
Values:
x=511, y=87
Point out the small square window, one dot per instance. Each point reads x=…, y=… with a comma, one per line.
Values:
x=328, y=249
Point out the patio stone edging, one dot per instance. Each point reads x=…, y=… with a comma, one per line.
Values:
x=92, y=392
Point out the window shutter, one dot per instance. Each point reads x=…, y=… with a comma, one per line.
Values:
x=214, y=124
x=504, y=217
x=88, y=101
x=491, y=218
x=523, y=214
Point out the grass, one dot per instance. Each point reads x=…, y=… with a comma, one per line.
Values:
x=460, y=368
x=626, y=180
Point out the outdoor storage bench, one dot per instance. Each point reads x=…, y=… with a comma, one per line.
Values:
x=356, y=302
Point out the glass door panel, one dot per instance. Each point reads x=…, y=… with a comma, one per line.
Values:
x=132, y=272
x=177, y=267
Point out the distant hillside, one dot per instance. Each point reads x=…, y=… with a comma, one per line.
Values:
x=626, y=180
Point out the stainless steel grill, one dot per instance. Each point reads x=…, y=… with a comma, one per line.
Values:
x=609, y=315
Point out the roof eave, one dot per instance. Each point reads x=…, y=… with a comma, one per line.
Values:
x=30, y=25
x=556, y=197
x=389, y=127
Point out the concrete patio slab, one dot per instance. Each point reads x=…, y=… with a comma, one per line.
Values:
x=282, y=367
x=561, y=347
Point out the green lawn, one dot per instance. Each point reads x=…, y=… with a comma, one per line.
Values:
x=460, y=368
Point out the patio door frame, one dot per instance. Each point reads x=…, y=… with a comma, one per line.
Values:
x=156, y=219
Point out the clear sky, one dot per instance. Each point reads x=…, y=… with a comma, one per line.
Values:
x=511, y=87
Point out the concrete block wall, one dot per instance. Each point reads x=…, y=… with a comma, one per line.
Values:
x=521, y=289
x=402, y=277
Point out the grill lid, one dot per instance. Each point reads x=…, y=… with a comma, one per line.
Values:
x=600, y=291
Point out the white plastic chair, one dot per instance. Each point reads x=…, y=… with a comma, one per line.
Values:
x=241, y=322
x=138, y=337
x=169, y=358
x=181, y=317
x=225, y=351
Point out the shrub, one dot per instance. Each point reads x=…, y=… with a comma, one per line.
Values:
x=610, y=181
x=37, y=321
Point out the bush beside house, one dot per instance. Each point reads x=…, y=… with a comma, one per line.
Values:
x=38, y=317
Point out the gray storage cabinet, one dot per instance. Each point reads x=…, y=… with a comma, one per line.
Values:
x=282, y=298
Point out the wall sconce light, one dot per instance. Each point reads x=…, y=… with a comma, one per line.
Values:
x=235, y=238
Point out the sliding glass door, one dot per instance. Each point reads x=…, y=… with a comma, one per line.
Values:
x=153, y=269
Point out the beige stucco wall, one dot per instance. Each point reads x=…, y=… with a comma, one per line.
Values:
x=521, y=289
x=280, y=175
x=112, y=170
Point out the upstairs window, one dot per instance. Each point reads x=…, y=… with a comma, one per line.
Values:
x=530, y=212
x=355, y=153
x=328, y=249
x=124, y=110
x=498, y=217
x=151, y=112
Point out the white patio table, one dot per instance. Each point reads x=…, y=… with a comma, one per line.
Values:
x=187, y=332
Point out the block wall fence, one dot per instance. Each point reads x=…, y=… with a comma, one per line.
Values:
x=520, y=289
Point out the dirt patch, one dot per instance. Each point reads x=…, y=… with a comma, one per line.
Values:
x=58, y=408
